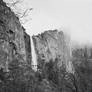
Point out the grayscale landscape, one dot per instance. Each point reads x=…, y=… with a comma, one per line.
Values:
x=48, y=61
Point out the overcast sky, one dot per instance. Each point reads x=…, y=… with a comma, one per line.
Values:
x=73, y=16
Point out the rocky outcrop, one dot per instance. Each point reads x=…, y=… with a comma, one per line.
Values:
x=54, y=61
x=16, y=74
x=27, y=48
x=52, y=45
x=13, y=39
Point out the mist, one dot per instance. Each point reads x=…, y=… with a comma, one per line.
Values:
x=34, y=57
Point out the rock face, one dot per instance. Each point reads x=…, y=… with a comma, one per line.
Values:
x=27, y=47
x=58, y=71
x=13, y=39
x=52, y=45
x=53, y=56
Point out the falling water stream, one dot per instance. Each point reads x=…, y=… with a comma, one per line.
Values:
x=34, y=57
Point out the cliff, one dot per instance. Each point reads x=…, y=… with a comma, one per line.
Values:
x=59, y=68
x=27, y=48
x=13, y=39
x=69, y=71
x=54, y=59
x=52, y=45
x=15, y=53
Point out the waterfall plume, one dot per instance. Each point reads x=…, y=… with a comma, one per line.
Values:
x=34, y=57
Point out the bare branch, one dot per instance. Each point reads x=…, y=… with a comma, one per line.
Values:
x=25, y=13
x=22, y=13
x=13, y=3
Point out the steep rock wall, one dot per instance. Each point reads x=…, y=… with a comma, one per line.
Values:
x=52, y=45
x=54, y=60
x=27, y=47
x=12, y=41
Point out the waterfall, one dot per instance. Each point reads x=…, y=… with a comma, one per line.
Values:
x=34, y=57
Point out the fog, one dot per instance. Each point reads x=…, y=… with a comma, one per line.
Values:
x=34, y=57
x=72, y=16
x=75, y=16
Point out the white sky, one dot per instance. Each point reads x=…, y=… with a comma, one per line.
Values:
x=68, y=15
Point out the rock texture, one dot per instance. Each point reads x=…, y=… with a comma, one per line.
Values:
x=54, y=60
x=13, y=39
x=27, y=48
x=16, y=74
x=59, y=69
x=52, y=45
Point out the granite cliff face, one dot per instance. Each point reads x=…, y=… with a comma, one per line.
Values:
x=52, y=45
x=13, y=38
x=59, y=68
x=15, y=53
x=54, y=60
x=27, y=48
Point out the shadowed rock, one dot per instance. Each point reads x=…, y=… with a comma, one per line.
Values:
x=53, y=44
x=13, y=38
